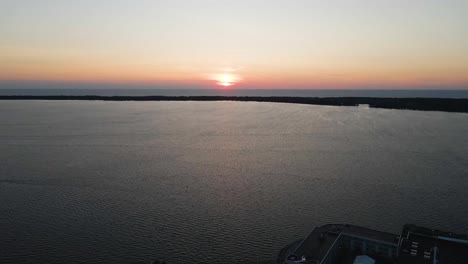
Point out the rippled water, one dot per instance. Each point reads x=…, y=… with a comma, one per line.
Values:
x=220, y=182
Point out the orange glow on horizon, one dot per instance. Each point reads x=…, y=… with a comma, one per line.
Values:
x=253, y=76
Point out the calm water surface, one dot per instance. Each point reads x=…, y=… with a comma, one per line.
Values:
x=220, y=182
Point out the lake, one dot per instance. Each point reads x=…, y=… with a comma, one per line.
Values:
x=217, y=182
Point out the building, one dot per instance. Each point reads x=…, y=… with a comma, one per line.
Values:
x=342, y=244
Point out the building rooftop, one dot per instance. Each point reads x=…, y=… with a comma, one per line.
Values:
x=421, y=245
x=317, y=244
x=339, y=244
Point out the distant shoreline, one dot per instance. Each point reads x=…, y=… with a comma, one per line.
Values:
x=422, y=104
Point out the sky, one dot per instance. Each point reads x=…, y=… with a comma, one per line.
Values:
x=299, y=44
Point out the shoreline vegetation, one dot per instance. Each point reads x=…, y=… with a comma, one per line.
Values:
x=422, y=104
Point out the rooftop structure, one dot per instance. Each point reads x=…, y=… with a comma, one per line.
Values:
x=420, y=245
x=342, y=244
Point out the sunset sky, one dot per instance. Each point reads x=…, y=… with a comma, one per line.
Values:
x=238, y=43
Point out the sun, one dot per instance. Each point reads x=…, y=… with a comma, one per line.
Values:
x=226, y=79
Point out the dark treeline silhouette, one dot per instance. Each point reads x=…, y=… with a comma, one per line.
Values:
x=425, y=104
